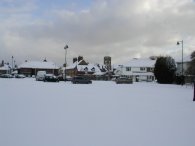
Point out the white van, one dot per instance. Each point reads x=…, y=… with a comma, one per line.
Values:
x=40, y=75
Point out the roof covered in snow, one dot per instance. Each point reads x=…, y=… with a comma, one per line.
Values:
x=39, y=64
x=5, y=67
x=89, y=67
x=147, y=62
x=72, y=66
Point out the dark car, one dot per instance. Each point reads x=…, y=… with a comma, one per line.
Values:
x=50, y=78
x=20, y=76
x=124, y=80
x=80, y=80
x=61, y=78
x=6, y=76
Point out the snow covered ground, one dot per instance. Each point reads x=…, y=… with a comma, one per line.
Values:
x=35, y=113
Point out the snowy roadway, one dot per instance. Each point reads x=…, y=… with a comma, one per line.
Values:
x=35, y=113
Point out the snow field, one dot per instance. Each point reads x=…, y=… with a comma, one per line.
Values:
x=100, y=114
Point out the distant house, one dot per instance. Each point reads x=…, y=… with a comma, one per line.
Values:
x=138, y=69
x=5, y=69
x=81, y=68
x=30, y=68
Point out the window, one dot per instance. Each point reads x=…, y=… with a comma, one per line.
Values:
x=93, y=69
x=150, y=69
x=142, y=68
x=128, y=68
x=85, y=69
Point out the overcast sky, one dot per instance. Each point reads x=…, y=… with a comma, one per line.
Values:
x=122, y=29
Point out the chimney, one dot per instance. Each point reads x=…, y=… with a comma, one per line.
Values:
x=74, y=59
x=2, y=63
x=107, y=62
x=80, y=58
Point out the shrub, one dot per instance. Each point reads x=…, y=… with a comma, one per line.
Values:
x=165, y=69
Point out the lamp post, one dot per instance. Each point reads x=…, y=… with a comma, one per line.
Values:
x=12, y=63
x=182, y=74
x=65, y=48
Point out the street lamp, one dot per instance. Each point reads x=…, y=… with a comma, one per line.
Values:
x=65, y=48
x=12, y=63
x=178, y=43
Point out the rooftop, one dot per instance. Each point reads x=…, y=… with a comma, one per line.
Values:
x=39, y=64
x=5, y=67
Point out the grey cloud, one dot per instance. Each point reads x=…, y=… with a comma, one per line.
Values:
x=121, y=29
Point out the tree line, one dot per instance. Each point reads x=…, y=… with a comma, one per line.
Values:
x=165, y=70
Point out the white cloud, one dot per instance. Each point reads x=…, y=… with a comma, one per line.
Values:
x=122, y=29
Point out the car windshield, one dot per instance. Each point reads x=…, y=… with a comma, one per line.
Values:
x=78, y=78
x=123, y=78
x=49, y=75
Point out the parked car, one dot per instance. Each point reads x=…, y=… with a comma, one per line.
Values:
x=6, y=76
x=80, y=80
x=68, y=78
x=60, y=77
x=124, y=80
x=20, y=76
x=50, y=78
x=40, y=75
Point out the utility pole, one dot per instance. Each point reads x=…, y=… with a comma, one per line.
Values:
x=65, y=48
x=182, y=72
x=12, y=64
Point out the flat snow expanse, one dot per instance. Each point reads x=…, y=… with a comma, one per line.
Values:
x=34, y=113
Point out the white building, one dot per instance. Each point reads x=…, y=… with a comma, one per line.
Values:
x=139, y=69
x=5, y=69
x=30, y=68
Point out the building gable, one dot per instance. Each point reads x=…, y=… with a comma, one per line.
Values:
x=82, y=62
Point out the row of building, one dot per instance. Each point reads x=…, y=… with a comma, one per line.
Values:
x=138, y=69
x=78, y=67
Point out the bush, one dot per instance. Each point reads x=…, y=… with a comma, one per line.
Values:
x=191, y=69
x=180, y=80
x=165, y=69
